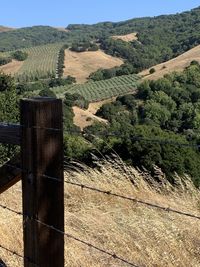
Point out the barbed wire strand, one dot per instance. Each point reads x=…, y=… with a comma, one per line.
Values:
x=139, y=201
x=114, y=134
x=113, y=255
x=109, y=192
x=14, y=253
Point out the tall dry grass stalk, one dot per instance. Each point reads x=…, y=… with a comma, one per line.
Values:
x=145, y=236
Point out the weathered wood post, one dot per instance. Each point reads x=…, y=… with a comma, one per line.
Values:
x=43, y=198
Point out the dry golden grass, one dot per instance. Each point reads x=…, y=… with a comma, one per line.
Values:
x=177, y=64
x=81, y=65
x=145, y=236
x=12, y=67
x=94, y=107
x=127, y=37
x=84, y=118
x=62, y=29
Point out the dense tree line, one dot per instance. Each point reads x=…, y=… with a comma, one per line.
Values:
x=31, y=36
x=84, y=46
x=23, y=87
x=104, y=74
x=61, y=61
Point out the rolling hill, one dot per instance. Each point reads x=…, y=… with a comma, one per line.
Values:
x=176, y=64
x=81, y=65
x=159, y=38
x=30, y=36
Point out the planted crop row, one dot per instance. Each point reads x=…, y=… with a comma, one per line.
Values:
x=97, y=91
x=42, y=62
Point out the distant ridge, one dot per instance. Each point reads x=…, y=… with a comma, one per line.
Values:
x=5, y=29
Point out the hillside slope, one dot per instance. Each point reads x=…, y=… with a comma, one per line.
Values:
x=81, y=65
x=159, y=38
x=177, y=64
x=12, y=67
x=30, y=36
x=137, y=233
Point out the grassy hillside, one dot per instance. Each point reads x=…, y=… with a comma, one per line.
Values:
x=81, y=65
x=176, y=64
x=142, y=235
x=158, y=38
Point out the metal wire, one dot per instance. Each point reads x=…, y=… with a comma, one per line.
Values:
x=135, y=200
x=14, y=253
x=113, y=255
x=108, y=192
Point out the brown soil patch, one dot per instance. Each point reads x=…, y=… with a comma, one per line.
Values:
x=12, y=67
x=177, y=64
x=126, y=38
x=84, y=118
x=81, y=65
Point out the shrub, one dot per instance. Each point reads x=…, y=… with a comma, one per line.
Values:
x=152, y=70
x=19, y=55
x=5, y=60
x=47, y=93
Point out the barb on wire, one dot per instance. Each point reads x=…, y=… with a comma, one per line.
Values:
x=113, y=255
x=14, y=253
x=152, y=205
x=138, y=201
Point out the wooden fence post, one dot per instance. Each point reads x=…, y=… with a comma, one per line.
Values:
x=43, y=198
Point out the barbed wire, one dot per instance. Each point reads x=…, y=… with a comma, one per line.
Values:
x=109, y=192
x=14, y=253
x=113, y=255
x=135, y=200
x=111, y=134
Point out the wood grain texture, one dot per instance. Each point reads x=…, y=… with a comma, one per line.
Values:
x=10, y=134
x=10, y=173
x=43, y=199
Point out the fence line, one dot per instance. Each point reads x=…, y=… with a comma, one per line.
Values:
x=86, y=135
x=14, y=253
x=51, y=227
x=114, y=134
x=128, y=198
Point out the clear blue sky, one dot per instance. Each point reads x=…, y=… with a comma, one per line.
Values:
x=18, y=13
